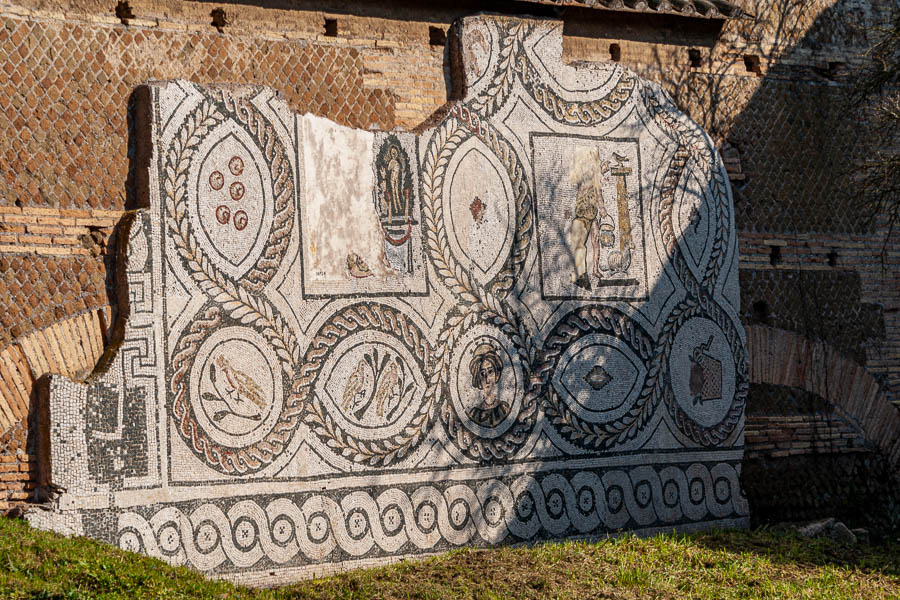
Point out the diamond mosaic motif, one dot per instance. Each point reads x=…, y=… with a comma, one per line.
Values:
x=340, y=341
x=597, y=378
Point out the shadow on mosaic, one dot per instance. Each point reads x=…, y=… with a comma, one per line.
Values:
x=346, y=347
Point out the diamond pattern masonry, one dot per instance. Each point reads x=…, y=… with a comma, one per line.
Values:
x=346, y=347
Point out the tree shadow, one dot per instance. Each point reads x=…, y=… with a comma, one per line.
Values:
x=782, y=547
x=800, y=140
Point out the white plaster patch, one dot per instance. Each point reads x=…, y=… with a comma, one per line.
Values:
x=342, y=238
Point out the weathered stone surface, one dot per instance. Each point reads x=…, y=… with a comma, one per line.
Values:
x=841, y=533
x=830, y=528
x=816, y=528
x=345, y=347
x=862, y=535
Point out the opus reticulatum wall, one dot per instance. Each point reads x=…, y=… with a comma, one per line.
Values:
x=344, y=347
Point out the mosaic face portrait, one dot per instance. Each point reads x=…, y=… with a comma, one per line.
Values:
x=349, y=346
x=486, y=368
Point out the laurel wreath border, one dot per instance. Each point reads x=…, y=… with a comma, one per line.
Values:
x=240, y=300
x=477, y=303
x=700, y=300
x=236, y=298
x=368, y=316
x=691, y=146
x=514, y=63
x=282, y=186
x=577, y=324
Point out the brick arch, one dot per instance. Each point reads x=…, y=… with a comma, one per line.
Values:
x=68, y=347
x=783, y=357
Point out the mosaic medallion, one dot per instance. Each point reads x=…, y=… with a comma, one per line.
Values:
x=236, y=394
x=366, y=384
x=599, y=392
x=489, y=414
x=372, y=385
x=342, y=346
x=707, y=387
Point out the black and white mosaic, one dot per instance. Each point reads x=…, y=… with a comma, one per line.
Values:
x=344, y=347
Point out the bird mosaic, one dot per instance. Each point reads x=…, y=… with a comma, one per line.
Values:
x=376, y=387
x=237, y=390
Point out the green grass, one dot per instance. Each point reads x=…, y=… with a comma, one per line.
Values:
x=731, y=564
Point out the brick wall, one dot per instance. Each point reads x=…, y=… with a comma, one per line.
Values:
x=768, y=88
x=18, y=468
x=802, y=434
x=770, y=91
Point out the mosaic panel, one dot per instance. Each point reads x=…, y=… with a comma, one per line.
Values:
x=345, y=346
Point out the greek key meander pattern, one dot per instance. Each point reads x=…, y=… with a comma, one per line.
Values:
x=313, y=528
x=240, y=378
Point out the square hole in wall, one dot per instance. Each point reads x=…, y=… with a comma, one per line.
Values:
x=751, y=63
x=615, y=52
x=437, y=36
x=694, y=56
x=761, y=312
x=331, y=27
x=124, y=11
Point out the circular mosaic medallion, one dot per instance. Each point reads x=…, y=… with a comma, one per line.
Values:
x=236, y=387
x=490, y=412
x=366, y=375
x=232, y=398
x=599, y=392
x=705, y=373
x=702, y=372
x=371, y=384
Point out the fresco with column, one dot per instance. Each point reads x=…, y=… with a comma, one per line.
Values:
x=344, y=347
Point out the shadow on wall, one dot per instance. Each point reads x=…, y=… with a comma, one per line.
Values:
x=798, y=139
x=589, y=374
